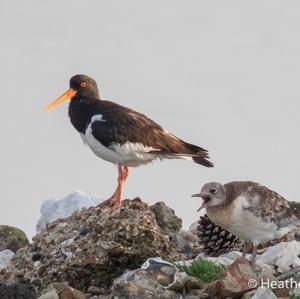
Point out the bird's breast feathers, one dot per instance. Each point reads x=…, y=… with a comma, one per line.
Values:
x=246, y=219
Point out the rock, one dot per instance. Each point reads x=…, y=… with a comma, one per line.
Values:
x=198, y=293
x=12, y=238
x=96, y=291
x=263, y=293
x=167, y=219
x=186, y=241
x=235, y=280
x=50, y=294
x=193, y=228
x=102, y=297
x=150, y=281
x=119, y=240
x=53, y=208
x=71, y=293
x=283, y=256
x=220, y=260
x=192, y=283
x=5, y=257
x=17, y=291
x=265, y=273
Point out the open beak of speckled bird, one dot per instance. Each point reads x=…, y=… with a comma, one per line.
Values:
x=70, y=93
x=206, y=198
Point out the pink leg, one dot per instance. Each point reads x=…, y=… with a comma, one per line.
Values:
x=115, y=200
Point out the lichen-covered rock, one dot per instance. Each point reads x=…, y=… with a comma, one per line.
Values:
x=12, y=238
x=92, y=247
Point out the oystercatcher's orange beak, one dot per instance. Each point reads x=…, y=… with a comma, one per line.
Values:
x=67, y=95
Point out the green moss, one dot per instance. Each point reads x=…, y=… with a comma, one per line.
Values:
x=295, y=297
x=203, y=269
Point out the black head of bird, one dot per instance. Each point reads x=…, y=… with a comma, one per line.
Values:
x=81, y=86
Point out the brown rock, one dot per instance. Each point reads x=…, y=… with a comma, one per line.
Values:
x=96, y=291
x=71, y=293
x=235, y=280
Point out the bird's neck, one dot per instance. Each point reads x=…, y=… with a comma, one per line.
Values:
x=81, y=112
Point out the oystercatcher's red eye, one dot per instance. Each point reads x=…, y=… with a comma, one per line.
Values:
x=83, y=84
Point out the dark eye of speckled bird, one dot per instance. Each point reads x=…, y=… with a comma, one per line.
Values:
x=213, y=190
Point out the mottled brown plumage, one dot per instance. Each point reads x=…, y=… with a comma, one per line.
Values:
x=249, y=210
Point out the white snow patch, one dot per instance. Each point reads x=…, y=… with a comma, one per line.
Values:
x=5, y=257
x=53, y=208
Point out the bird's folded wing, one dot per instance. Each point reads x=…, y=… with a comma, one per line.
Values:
x=270, y=206
x=120, y=125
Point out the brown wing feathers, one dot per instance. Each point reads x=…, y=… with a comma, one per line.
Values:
x=171, y=145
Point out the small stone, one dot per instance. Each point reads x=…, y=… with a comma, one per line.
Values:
x=37, y=256
x=116, y=251
x=86, y=229
x=186, y=241
x=192, y=283
x=71, y=293
x=51, y=294
x=264, y=293
x=96, y=291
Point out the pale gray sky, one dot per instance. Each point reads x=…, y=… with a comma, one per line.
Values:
x=221, y=74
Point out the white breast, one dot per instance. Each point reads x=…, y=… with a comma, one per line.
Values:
x=247, y=226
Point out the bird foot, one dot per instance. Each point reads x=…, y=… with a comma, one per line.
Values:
x=111, y=203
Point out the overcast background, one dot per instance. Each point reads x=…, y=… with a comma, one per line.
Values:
x=221, y=74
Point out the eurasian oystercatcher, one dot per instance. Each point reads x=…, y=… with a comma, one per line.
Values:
x=250, y=211
x=121, y=135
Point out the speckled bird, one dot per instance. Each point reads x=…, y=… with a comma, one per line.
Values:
x=250, y=211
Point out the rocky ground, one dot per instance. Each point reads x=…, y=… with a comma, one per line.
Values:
x=140, y=251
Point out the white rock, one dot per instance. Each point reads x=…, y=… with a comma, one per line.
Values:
x=221, y=260
x=233, y=255
x=284, y=255
x=51, y=294
x=53, y=208
x=5, y=257
x=263, y=293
